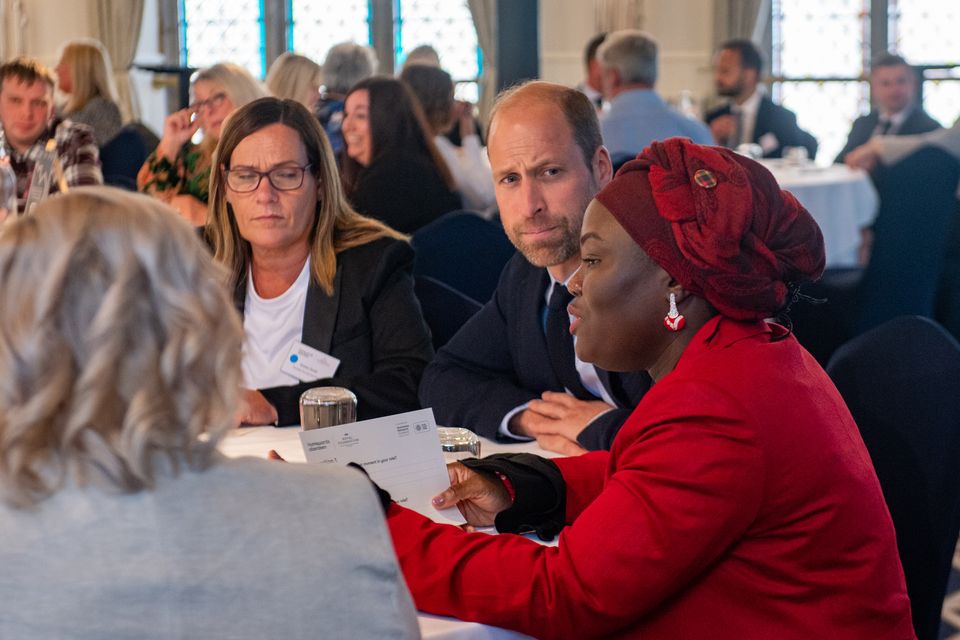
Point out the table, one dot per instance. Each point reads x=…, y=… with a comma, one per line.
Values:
x=257, y=441
x=840, y=199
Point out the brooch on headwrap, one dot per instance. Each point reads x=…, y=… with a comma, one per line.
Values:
x=705, y=179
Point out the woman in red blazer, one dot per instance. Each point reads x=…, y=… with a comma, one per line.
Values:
x=738, y=501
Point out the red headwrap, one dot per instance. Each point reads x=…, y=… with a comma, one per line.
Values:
x=718, y=223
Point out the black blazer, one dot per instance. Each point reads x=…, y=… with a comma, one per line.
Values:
x=372, y=323
x=863, y=127
x=403, y=189
x=776, y=120
x=499, y=361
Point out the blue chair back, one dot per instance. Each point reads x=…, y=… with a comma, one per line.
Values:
x=122, y=157
x=901, y=381
x=444, y=308
x=463, y=251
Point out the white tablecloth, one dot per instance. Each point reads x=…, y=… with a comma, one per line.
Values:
x=840, y=199
x=257, y=441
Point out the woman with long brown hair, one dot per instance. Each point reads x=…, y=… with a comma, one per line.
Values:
x=392, y=169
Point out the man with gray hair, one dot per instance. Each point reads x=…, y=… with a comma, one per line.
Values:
x=637, y=115
x=346, y=64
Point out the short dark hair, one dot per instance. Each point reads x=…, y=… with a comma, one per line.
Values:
x=887, y=59
x=750, y=56
x=27, y=70
x=590, y=51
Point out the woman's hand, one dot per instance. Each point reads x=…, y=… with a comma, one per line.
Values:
x=178, y=128
x=479, y=497
x=256, y=409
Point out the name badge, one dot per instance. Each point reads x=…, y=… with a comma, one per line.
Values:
x=308, y=364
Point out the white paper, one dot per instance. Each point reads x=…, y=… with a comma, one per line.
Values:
x=401, y=453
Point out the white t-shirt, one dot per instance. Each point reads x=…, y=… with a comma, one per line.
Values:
x=272, y=326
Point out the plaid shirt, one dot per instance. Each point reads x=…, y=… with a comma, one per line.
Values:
x=76, y=149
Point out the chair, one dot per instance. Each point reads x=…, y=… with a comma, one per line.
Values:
x=908, y=262
x=444, y=308
x=463, y=251
x=122, y=157
x=901, y=381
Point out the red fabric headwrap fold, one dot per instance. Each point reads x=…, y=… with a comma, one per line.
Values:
x=718, y=223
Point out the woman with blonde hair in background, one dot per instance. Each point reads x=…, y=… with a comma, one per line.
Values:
x=119, y=375
x=178, y=171
x=295, y=77
x=84, y=74
x=309, y=273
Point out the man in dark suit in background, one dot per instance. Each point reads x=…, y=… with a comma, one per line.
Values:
x=511, y=372
x=893, y=91
x=751, y=116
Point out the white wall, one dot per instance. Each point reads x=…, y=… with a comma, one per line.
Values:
x=683, y=28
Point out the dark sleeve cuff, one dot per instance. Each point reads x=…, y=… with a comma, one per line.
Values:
x=599, y=434
x=540, y=502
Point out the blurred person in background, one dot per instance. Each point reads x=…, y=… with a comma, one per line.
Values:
x=392, y=170
x=468, y=163
x=85, y=75
x=295, y=77
x=751, y=116
x=178, y=170
x=893, y=91
x=346, y=64
x=28, y=124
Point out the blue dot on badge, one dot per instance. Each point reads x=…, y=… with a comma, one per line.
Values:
x=294, y=357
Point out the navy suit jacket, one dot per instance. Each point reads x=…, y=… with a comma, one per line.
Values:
x=863, y=127
x=372, y=323
x=499, y=360
x=776, y=120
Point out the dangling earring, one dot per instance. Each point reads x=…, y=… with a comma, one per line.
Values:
x=674, y=321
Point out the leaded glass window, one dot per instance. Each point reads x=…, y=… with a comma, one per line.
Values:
x=448, y=27
x=320, y=24
x=212, y=32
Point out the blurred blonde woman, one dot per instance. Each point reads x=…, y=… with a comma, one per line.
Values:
x=119, y=373
x=178, y=171
x=84, y=74
x=295, y=77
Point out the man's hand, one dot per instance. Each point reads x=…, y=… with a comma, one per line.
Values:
x=479, y=497
x=863, y=157
x=556, y=420
x=723, y=128
x=255, y=409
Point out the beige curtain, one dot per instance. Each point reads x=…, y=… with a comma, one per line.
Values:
x=120, y=22
x=13, y=24
x=740, y=19
x=613, y=15
x=484, y=14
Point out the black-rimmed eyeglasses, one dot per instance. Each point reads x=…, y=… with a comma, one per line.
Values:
x=286, y=178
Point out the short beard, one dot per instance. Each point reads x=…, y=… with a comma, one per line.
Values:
x=548, y=255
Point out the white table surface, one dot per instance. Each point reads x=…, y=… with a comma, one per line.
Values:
x=840, y=199
x=257, y=441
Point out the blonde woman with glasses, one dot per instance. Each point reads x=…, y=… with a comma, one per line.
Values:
x=178, y=171
x=326, y=294
x=84, y=74
x=119, y=374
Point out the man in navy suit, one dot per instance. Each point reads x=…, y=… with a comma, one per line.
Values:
x=893, y=90
x=751, y=116
x=511, y=373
